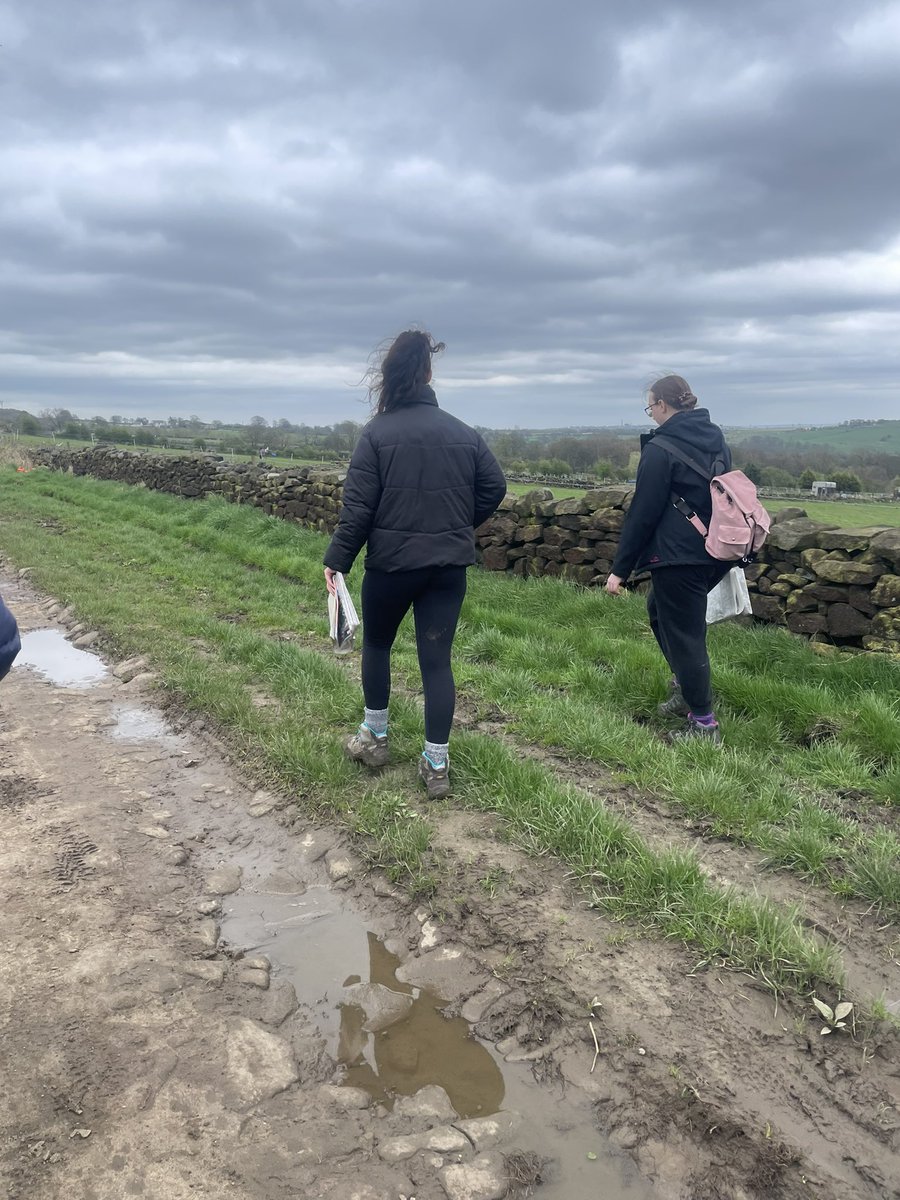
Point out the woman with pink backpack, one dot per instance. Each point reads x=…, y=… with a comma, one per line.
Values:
x=662, y=534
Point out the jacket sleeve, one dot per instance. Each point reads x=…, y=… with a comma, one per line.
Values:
x=10, y=645
x=490, y=483
x=362, y=493
x=652, y=489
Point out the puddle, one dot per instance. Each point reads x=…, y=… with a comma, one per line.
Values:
x=47, y=652
x=142, y=725
x=322, y=948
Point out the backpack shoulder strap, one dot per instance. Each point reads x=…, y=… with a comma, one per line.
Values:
x=677, y=452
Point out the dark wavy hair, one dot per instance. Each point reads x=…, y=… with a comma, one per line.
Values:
x=404, y=370
x=674, y=391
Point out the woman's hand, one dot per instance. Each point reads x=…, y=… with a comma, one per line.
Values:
x=614, y=585
x=329, y=580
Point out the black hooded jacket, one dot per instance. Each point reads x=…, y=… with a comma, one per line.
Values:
x=419, y=483
x=655, y=533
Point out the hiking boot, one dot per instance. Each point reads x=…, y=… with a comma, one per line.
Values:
x=364, y=747
x=436, y=779
x=694, y=729
x=676, y=705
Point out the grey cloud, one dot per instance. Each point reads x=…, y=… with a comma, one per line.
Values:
x=569, y=195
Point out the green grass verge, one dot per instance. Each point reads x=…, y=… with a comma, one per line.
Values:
x=228, y=603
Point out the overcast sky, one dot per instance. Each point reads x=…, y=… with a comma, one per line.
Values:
x=222, y=206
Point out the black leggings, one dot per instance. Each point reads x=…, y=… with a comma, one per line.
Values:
x=677, y=608
x=436, y=595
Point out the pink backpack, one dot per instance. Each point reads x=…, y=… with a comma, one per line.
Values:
x=739, y=524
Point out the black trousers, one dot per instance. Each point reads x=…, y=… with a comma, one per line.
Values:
x=677, y=608
x=436, y=595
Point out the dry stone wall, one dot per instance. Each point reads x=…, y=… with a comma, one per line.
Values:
x=834, y=585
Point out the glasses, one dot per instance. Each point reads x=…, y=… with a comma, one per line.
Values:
x=650, y=407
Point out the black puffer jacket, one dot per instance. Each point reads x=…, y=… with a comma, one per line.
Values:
x=420, y=482
x=655, y=533
x=9, y=639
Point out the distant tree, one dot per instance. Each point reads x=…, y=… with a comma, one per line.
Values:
x=75, y=429
x=145, y=437
x=118, y=433
x=578, y=452
x=753, y=471
x=258, y=423
x=56, y=418
x=807, y=479
x=774, y=477
x=199, y=444
x=509, y=444
x=29, y=425
x=847, y=481
x=604, y=470
x=554, y=466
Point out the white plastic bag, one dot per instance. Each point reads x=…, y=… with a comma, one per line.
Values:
x=342, y=619
x=729, y=598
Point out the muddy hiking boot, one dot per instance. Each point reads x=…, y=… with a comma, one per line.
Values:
x=436, y=779
x=676, y=705
x=694, y=730
x=364, y=747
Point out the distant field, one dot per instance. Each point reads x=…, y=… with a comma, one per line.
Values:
x=884, y=437
x=76, y=444
x=846, y=513
x=559, y=493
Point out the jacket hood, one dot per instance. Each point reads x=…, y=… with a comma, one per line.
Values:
x=694, y=430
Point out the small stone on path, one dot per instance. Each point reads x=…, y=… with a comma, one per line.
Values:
x=212, y=972
x=260, y=1064
x=428, y=1102
x=253, y=978
x=128, y=668
x=484, y=1178
x=224, y=880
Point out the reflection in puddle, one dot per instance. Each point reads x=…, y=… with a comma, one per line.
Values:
x=322, y=949
x=47, y=652
x=424, y=1047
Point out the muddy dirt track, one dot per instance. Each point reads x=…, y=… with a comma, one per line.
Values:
x=202, y=994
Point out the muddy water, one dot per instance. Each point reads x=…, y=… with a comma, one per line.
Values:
x=322, y=949
x=313, y=939
x=142, y=725
x=47, y=652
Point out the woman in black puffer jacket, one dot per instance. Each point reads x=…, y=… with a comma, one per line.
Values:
x=419, y=483
x=657, y=537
